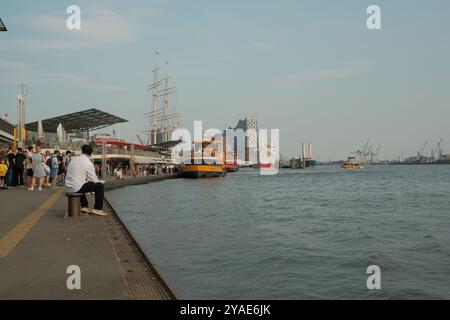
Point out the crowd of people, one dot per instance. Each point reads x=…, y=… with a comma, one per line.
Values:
x=77, y=173
x=145, y=170
x=32, y=167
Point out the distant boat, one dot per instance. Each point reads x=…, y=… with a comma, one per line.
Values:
x=230, y=166
x=310, y=163
x=267, y=150
x=351, y=163
x=264, y=166
x=284, y=165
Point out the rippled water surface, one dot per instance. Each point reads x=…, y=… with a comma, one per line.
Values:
x=300, y=234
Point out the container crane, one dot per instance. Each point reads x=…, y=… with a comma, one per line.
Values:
x=439, y=152
x=374, y=154
x=420, y=154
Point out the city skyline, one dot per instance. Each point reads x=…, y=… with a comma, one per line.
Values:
x=315, y=71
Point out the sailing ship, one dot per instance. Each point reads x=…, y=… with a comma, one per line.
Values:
x=162, y=121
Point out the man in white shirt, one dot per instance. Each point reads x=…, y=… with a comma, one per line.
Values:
x=81, y=178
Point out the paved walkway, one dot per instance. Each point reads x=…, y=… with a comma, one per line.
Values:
x=38, y=243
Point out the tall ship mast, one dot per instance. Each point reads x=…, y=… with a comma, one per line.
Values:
x=162, y=121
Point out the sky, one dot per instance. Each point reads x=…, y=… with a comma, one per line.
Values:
x=311, y=69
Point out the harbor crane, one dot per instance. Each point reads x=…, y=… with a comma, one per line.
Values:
x=368, y=152
x=437, y=151
x=365, y=148
x=374, y=154
x=363, y=153
x=421, y=152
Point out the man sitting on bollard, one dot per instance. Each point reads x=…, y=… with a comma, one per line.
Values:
x=81, y=178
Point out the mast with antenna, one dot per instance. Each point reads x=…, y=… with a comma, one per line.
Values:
x=159, y=115
x=154, y=124
x=21, y=123
x=165, y=119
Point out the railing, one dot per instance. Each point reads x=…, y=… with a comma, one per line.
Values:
x=122, y=151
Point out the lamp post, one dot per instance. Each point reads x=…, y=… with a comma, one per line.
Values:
x=104, y=159
x=21, y=123
x=132, y=160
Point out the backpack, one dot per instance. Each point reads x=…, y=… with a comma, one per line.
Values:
x=49, y=162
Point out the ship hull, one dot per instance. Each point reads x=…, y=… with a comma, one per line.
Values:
x=202, y=171
x=230, y=167
x=310, y=163
x=351, y=166
x=264, y=166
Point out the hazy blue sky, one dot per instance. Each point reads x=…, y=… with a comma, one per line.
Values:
x=310, y=68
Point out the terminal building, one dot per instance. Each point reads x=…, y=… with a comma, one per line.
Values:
x=69, y=130
x=6, y=133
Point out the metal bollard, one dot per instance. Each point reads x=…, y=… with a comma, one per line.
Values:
x=73, y=205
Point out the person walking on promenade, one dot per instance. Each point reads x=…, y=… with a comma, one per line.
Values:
x=66, y=160
x=118, y=173
x=3, y=171
x=29, y=165
x=97, y=170
x=38, y=169
x=11, y=156
x=20, y=163
x=54, y=168
x=61, y=168
x=81, y=178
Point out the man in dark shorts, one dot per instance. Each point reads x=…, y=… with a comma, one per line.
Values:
x=20, y=162
x=61, y=168
x=81, y=178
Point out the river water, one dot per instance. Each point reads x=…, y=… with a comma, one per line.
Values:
x=302, y=234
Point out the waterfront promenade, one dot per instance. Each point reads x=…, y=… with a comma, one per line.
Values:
x=38, y=242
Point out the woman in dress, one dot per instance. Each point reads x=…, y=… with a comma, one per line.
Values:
x=38, y=169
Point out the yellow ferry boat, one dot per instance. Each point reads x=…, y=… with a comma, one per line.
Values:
x=206, y=161
x=351, y=163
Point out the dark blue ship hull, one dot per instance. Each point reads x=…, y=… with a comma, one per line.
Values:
x=310, y=163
